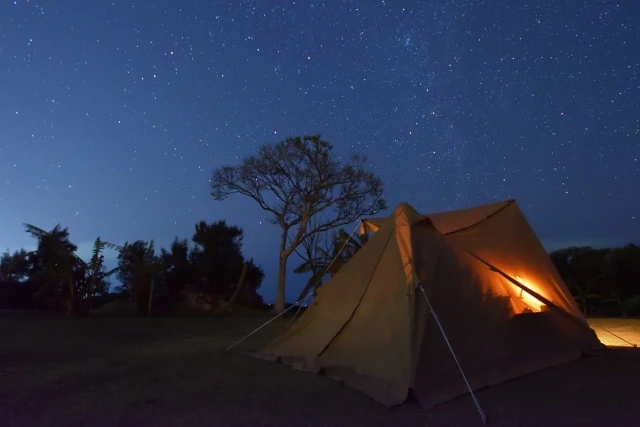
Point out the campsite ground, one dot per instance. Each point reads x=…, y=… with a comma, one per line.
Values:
x=172, y=372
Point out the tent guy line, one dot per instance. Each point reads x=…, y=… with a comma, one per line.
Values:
x=618, y=336
x=265, y=324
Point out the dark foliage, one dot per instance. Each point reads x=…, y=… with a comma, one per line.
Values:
x=53, y=277
x=603, y=281
x=217, y=258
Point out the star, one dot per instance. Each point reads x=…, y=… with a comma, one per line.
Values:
x=121, y=110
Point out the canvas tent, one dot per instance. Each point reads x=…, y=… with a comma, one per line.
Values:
x=501, y=303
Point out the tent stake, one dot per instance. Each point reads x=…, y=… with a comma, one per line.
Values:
x=444, y=335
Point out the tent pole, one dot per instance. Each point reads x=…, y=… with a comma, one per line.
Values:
x=444, y=335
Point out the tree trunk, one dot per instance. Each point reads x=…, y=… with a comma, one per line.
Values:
x=282, y=272
x=282, y=276
x=90, y=293
x=70, y=300
x=150, y=304
x=238, y=291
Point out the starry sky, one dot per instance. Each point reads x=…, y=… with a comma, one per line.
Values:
x=113, y=114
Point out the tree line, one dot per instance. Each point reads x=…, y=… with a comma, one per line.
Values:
x=306, y=190
x=54, y=277
x=604, y=281
x=303, y=186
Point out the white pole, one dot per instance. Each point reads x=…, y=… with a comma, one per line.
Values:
x=444, y=335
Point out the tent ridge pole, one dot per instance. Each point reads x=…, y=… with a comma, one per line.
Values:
x=455, y=358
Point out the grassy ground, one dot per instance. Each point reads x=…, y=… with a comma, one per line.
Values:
x=617, y=332
x=172, y=372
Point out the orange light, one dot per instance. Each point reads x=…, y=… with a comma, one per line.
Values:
x=529, y=300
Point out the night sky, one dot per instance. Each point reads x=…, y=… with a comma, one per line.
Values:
x=113, y=114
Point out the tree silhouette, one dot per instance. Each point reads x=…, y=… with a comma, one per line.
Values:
x=177, y=270
x=95, y=273
x=138, y=268
x=16, y=288
x=218, y=260
x=582, y=269
x=62, y=276
x=328, y=258
x=56, y=264
x=622, y=278
x=295, y=181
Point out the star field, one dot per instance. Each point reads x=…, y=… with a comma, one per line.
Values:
x=113, y=114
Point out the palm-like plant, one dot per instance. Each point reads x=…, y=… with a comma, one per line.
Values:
x=62, y=270
x=95, y=268
x=329, y=258
x=352, y=243
x=56, y=263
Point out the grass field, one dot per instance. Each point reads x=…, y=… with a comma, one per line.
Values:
x=172, y=372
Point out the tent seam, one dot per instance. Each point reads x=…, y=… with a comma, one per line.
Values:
x=509, y=203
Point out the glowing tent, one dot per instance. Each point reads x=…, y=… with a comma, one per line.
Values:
x=477, y=279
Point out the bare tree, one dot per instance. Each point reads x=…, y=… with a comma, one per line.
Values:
x=299, y=179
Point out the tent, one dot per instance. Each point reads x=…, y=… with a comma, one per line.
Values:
x=431, y=297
